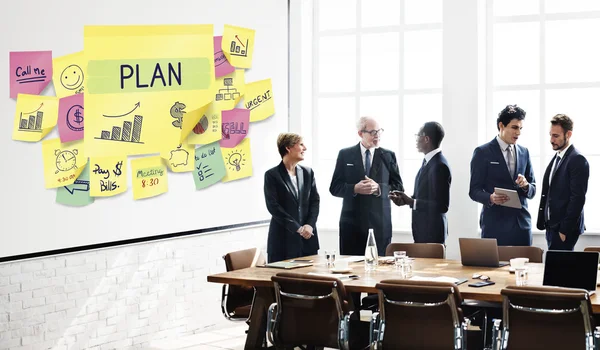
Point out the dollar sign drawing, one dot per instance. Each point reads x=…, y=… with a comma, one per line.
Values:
x=117, y=170
x=78, y=116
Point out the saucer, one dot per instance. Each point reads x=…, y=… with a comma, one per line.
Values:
x=338, y=270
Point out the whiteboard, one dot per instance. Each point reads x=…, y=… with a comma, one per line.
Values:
x=34, y=224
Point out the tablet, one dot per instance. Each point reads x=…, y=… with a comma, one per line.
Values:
x=513, y=197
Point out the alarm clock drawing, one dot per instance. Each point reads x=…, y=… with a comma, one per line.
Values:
x=65, y=160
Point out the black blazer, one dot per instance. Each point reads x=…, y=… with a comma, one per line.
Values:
x=289, y=212
x=361, y=212
x=566, y=194
x=432, y=194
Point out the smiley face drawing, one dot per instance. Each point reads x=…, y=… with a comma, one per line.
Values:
x=72, y=77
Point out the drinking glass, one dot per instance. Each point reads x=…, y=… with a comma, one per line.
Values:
x=399, y=257
x=521, y=276
x=330, y=256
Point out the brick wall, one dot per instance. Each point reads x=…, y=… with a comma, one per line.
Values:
x=123, y=297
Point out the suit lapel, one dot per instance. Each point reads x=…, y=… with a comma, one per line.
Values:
x=376, y=166
x=300, y=176
x=287, y=181
x=358, y=162
x=500, y=156
x=423, y=171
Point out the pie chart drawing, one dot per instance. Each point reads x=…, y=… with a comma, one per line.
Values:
x=201, y=127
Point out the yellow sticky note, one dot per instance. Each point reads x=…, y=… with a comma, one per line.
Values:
x=108, y=176
x=143, y=82
x=191, y=121
x=68, y=74
x=180, y=159
x=35, y=117
x=208, y=129
x=148, y=177
x=238, y=161
x=259, y=100
x=63, y=162
x=238, y=45
x=229, y=90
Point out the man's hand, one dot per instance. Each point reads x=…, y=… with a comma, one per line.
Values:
x=396, y=198
x=563, y=237
x=407, y=199
x=363, y=187
x=498, y=198
x=522, y=182
x=374, y=185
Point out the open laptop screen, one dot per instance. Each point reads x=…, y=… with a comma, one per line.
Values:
x=571, y=269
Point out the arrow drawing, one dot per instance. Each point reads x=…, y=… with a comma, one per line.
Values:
x=122, y=115
x=85, y=186
x=238, y=39
x=36, y=109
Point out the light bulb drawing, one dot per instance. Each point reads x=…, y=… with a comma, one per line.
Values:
x=236, y=159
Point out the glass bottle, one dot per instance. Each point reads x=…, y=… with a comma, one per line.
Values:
x=371, y=255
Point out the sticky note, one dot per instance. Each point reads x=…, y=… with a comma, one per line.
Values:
x=30, y=72
x=63, y=162
x=209, y=167
x=108, y=176
x=148, y=177
x=35, y=117
x=238, y=45
x=238, y=161
x=259, y=100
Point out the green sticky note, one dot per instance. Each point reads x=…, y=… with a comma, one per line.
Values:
x=208, y=167
x=77, y=194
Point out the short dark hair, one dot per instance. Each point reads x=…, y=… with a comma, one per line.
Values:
x=509, y=113
x=564, y=121
x=286, y=140
x=435, y=132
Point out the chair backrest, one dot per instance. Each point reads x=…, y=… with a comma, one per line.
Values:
x=546, y=318
x=309, y=311
x=418, y=250
x=420, y=315
x=535, y=254
x=236, y=301
x=591, y=249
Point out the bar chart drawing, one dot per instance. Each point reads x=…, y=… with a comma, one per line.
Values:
x=238, y=50
x=128, y=132
x=228, y=93
x=31, y=123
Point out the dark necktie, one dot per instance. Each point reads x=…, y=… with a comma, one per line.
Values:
x=555, y=167
x=420, y=171
x=367, y=162
x=546, y=208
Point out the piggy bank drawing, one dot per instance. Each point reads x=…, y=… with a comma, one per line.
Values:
x=179, y=157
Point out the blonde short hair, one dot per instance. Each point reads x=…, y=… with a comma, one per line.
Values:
x=287, y=140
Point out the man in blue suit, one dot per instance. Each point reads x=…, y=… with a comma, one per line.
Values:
x=501, y=163
x=431, y=196
x=564, y=188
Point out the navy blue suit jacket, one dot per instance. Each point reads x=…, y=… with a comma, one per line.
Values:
x=432, y=194
x=566, y=194
x=361, y=212
x=290, y=211
x=509, y=226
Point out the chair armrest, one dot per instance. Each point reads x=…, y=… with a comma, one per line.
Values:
x=597, y=337
x=462, y=334
x=496, y=335
x=271, y=322
x=377, y=329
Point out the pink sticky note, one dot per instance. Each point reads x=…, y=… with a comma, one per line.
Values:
x=222, y=66
x=30, y=72
x=70, y=118
x=234, y=126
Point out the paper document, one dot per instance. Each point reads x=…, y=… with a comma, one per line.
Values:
x=335, y=275
x=513, y=197
x=438, y=279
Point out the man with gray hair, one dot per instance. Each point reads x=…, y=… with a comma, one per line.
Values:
x=364, y=175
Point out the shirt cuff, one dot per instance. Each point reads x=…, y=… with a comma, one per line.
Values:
x=414, y=207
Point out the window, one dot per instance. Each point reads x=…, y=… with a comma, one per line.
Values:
x=542, y=57
x=381, y=58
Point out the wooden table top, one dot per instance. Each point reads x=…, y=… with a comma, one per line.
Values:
x=261, y=276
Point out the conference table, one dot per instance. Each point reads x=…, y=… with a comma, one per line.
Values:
x=260, y=278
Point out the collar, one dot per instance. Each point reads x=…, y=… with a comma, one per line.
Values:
x=432, y=154
x=504, y=145
x=363, y=149
x=562, y=153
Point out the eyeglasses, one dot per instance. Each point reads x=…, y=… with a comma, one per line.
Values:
x=418, y=136
x=373, y=132
x=481, y=277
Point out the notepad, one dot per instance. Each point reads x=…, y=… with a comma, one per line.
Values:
x=286, y=265
x=335, y=275
x=454, y=280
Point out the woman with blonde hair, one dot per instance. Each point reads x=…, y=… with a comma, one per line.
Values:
x=293, y=201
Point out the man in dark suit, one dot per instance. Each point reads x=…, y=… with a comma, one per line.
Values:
x=501, y=163
x=363, y=176
x=431, y=197
x=564, y=188
x=293, y=201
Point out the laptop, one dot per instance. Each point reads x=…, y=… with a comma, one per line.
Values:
x=480, y=252
x=571, y=269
